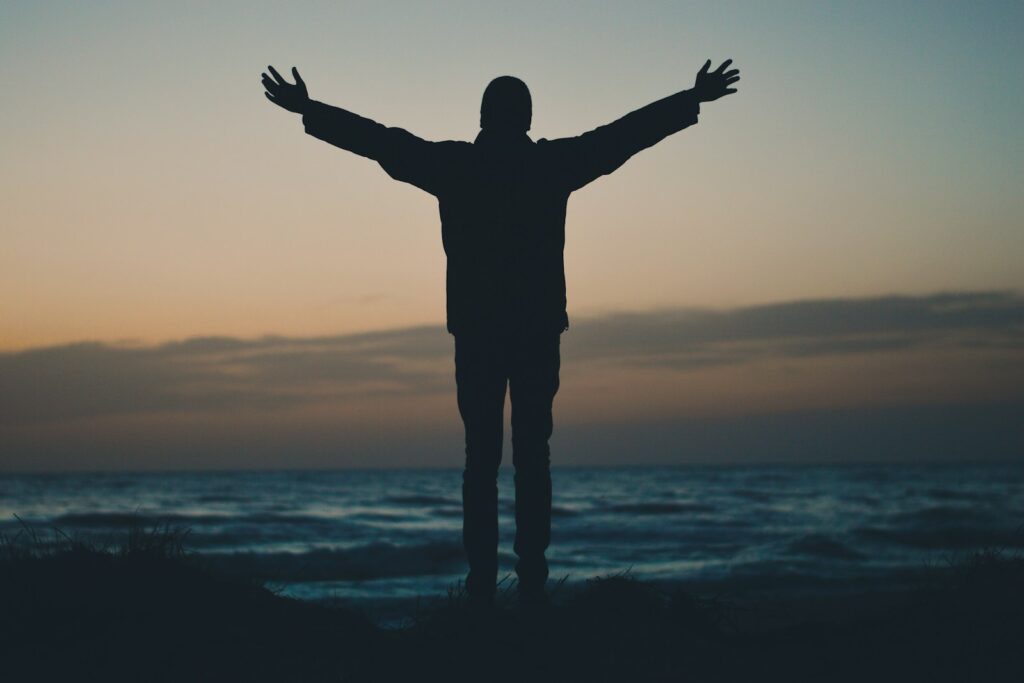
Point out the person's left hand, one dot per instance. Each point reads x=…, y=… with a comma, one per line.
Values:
x=711, y=86
x=285, y=95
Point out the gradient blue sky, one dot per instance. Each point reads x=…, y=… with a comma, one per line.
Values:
x=151, y=194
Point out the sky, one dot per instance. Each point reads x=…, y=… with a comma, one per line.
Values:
x=826, y=267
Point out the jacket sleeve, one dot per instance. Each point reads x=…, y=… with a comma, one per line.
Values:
x=401, y=154
x=583, y=158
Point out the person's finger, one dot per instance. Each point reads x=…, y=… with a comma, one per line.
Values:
x=732, y=80
x=298, y=78
x=729, y=91
x=272, y=98
x=724, y=65
x=271, y=85
x=733, y=72
x=704, y=69
x=277, y=76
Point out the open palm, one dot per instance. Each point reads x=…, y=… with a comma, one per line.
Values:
x=293, y=97
x=715, y=84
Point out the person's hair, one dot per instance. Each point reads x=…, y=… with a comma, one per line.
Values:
x=506, y=105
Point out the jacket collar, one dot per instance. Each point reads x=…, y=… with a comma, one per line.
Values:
x=501, y=138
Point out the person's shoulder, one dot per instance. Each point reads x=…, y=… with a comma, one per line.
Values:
x=453, y=149
x=454, y=144
x=552, y=150
x=556, y=144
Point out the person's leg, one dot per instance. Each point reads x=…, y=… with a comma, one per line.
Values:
x=533, y=383
x=480, y=381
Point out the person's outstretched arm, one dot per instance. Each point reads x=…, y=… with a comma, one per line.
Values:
x=404, y=156
x=581, y=159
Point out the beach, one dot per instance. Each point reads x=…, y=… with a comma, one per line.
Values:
x=689, y=573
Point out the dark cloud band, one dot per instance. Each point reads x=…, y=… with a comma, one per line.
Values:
x=207, y=374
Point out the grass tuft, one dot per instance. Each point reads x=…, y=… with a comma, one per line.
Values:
x=147, y=608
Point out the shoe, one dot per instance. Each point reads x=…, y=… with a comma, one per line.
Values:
x=533, y=596
x=481, y=602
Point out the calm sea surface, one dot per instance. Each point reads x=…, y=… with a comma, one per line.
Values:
x=381, y=536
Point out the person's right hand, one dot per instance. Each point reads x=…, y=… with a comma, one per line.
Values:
x=285, y=95
x=711, y=86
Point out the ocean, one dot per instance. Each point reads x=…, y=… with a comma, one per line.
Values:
x=376, y=537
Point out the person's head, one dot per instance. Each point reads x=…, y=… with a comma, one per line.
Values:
x=506, y=106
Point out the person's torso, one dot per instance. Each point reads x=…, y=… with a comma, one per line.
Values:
x=503, y=228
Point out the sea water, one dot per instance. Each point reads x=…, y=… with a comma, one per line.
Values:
x=396, y=534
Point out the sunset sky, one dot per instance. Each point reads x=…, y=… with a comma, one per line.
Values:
x=829, y=266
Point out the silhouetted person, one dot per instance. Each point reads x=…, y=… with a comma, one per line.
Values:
x=502, y=200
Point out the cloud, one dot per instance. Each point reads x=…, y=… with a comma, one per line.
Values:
x=803, y=328
x=209, y=374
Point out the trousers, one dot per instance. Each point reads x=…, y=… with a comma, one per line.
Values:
x=528, y=365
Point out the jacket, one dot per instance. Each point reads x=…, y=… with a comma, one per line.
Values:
x=502, y=200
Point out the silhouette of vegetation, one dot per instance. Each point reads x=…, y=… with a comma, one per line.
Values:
x=148, y=609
